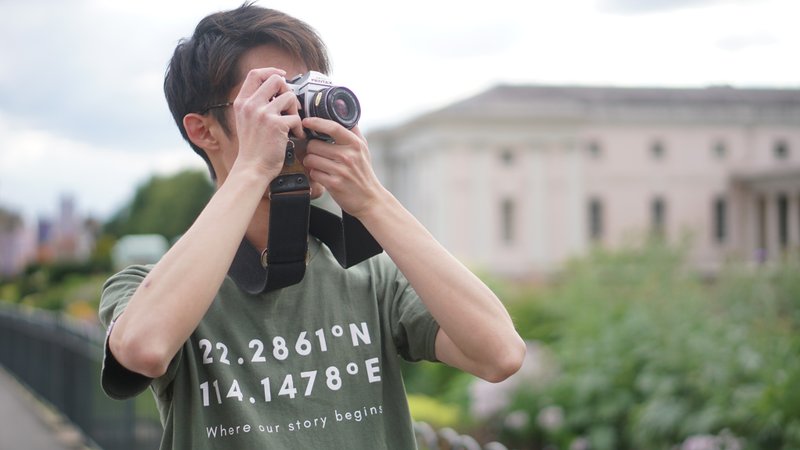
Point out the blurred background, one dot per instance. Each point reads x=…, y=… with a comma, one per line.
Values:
x=624, y=174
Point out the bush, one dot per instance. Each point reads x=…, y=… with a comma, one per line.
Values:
x=648, y=355
x=434, y=412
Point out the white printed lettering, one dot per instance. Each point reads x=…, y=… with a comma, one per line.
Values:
x=356, y=334
x=373, y=370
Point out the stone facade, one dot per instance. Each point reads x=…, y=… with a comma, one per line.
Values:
x=518, y=179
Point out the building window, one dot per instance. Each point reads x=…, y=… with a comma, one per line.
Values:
x=657, y=150
x=720, y=212
x=720, y=150
x=507, y=220
x=658, y=216
x=594, y=150
x=781, y=150
x=507, y=156
x=761, y=207
x=595, y=219
x=783, y=221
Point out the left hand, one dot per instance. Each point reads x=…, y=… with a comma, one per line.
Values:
x=342, y=167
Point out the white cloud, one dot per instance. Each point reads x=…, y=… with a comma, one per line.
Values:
x=38, y=167
x=82, y=108
x=649, y=6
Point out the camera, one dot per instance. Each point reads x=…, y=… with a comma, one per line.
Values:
x=320, y=98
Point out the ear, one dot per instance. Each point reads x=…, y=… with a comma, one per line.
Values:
x=198, y=128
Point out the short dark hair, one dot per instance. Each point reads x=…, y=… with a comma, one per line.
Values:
x=204, y=68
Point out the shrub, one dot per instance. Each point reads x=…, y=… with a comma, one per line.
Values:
x=650, y=356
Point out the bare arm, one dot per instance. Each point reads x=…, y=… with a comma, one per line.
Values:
x=175, y=295
x=477, y=334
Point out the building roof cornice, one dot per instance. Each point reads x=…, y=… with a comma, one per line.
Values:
x=611, y=104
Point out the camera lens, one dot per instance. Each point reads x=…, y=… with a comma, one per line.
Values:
x=341, y=107
x=338, y=104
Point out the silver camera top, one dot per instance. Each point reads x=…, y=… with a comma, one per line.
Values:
x=319, y=97
x=301, y=82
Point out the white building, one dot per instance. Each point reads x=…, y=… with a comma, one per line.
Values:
x=138, y=249
x=519, y=178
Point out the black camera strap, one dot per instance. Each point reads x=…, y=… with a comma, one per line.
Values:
x=291, y=219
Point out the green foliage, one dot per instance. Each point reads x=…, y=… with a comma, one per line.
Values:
x=443, y=382
x=649, y=355
x=434, y=412
x=164, y=205
x=56, y=286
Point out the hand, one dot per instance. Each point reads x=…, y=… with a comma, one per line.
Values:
x=342, y=167
x=266, y=112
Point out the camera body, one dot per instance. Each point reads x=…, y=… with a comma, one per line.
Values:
x=320, y=98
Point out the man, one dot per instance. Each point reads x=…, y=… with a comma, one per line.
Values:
x=315, y=364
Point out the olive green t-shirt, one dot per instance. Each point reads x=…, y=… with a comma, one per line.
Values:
x=311, y=366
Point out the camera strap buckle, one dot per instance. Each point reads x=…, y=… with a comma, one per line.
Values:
x=292, y=179
x=291, y=219
x=284, y=259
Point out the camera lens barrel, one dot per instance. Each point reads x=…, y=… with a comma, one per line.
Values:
x=338, y=104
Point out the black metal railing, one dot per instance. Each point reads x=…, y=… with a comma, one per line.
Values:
x=59, y=360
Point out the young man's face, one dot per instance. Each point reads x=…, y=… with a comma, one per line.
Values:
x=260, y=57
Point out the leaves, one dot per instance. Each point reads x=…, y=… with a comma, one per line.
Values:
x=650, y=355
x=164, y=205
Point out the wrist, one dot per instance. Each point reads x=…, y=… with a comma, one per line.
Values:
x=380, y=207
x=251, y=175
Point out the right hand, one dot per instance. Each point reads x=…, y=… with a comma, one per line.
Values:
x=266, y=112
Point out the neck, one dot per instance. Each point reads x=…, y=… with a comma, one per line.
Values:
x=258, y=230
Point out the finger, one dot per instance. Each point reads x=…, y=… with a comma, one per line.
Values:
x=294, y=125
x=320, y=163
x=357, y=132
x=272, y=87
x=327, y=180
x=287, y=104
x=340, y=134
x=256, y=77
x=322, y=148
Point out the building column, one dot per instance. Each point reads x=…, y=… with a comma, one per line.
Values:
x=751, y=221
x=737, y=241
x=772, y=239
x=577, y=198
x=484, y=247
x=793, y=219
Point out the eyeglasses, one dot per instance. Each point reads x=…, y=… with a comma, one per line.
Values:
x=218, y=105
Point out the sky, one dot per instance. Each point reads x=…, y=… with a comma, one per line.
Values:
x=82, y=111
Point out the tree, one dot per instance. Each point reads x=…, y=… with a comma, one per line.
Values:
x=163, y=205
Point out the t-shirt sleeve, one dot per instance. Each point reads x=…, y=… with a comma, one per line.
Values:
x=412, y=326
x=117, y=381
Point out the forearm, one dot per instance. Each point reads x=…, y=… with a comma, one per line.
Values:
x=175, y=295
x=480, y=335
x=470, y=314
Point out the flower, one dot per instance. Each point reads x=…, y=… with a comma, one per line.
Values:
x=488, y=399
x=580, y=443
x=725, y=441
x=517, y=420
x=551, y=418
